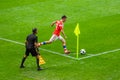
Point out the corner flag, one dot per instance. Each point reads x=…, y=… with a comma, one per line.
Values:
x=77, y=30
x=77, y=33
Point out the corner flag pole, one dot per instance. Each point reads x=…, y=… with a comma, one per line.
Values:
x=77, y=33
x=77, y=47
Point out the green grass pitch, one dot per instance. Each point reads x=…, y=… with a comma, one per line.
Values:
x=100, y=31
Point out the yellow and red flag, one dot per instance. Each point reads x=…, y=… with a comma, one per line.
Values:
x=41, y=60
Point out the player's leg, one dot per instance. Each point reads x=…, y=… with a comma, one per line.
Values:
x=24, y=58
x=54, y=37
x=64, y=44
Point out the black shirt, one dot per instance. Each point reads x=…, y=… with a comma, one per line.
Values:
x=31, y=39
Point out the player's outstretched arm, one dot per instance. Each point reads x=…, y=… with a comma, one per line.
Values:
x=53, y=23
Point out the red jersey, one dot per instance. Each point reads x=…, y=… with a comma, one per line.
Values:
x=59, y=27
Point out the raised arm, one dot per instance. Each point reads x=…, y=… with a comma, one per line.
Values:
x=53, y=23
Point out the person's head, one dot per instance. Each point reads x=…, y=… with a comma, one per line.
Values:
x=64, y=18
x=34, y=30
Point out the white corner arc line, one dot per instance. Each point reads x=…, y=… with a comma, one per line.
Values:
x=12, y=41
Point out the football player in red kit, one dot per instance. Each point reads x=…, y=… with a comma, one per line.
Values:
x=56, y=34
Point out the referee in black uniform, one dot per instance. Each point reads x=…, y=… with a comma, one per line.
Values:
x=31, y=47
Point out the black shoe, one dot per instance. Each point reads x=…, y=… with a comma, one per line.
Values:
x=39, y=69
x=22, y=66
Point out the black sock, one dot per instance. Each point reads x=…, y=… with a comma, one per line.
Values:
x=37, y=61
x=23, y=60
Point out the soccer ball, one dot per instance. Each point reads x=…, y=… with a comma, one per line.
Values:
x=82, y=51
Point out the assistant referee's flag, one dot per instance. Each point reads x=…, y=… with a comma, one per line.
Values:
x=41, y=60
x=77, y=33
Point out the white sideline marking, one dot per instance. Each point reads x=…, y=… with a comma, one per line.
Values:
x=93, y=55
x=8, y=40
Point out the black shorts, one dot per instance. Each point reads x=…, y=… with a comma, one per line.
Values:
x=33, y=51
